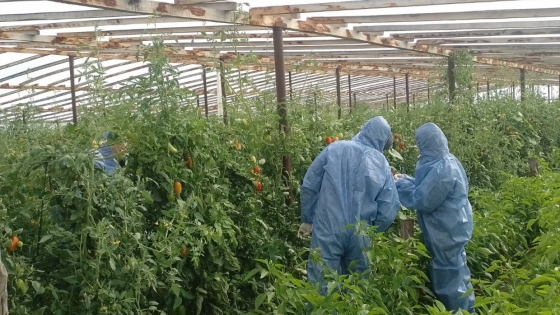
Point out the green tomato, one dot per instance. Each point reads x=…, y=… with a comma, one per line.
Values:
x=8, y=243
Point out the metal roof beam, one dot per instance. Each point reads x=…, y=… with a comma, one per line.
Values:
x=490, y=40
x=91, y=14
x=457, y=26
x=195, y=12
x=144, y=20
x=441, y=16
x=351, y=5
x=387, y=42
x=167, y=30
x=477, y=33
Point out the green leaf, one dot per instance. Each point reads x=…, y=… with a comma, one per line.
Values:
x=541, y=279
x=281, y=309
x=259, y=300
x=177, y=302
x=395, y=154
x=45, y=238
x=112, y=263
x=251, y=274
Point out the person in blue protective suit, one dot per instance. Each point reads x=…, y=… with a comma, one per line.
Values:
x=107, y=155
x=106, y=160
x=347, y=183
x=439, y=194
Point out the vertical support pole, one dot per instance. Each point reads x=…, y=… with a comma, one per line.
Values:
x=350, y=93
x=219, y=94
x=513, y=90
x=414, y=100
x=477, y=89
x=197, y=100
x=315, y=98
x=73, y=91
x=395, y=93
x=290, y=82
x=205, y=87
x=407, y=92
x=387, y=100
x=224, y=91
x=522, y=83
x=549, y=94
x=282, y=108
x=338, y=96
x=428, y=91
x=487, y=89
x=451, y=78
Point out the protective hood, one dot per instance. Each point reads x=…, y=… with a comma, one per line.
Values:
x=431, y=141
x=375, y=133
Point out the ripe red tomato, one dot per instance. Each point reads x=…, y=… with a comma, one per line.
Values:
x=259, y=186
x=328, y=140
x=14, y=246
x=177, y=188
x=256, y=170
x=188, y=161
x=401, y=145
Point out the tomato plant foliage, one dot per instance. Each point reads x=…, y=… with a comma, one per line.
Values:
x=132, y=244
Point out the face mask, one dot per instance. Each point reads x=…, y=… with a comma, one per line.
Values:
x=389, y=144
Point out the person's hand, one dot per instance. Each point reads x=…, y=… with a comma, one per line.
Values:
x=396, y=177
x=304, y=230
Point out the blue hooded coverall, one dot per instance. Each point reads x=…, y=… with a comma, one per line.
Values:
x=104, y=159
x=348, y=182
x=439, y=194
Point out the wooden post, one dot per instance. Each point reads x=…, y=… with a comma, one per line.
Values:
x=224, y=92
x=522, y=83
x=350, y=93
x=205, y=88
x=290, y=82
x=73, y=91
x=395, y=93
x=477, y=89
x=282, y=107
x=338, y=96
x=407, y=93
x=451, y=78
x=387, y=100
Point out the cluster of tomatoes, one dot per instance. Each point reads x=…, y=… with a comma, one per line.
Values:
x=13, y=244
x=398, y=142
x=177, y=186
x=330, y=140
x=257, y=171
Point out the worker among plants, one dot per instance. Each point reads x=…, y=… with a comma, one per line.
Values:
x=349, y=182
x=109, y=153
x=439, y=194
